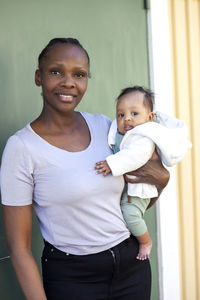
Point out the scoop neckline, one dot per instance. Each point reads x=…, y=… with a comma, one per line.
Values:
x=60, y=149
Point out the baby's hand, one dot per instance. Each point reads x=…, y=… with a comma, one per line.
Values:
x=102, y=166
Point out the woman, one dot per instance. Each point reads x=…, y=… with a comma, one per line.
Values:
x=88, y=251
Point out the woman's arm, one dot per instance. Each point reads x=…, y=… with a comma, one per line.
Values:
x=18, y=228
x=153, y=172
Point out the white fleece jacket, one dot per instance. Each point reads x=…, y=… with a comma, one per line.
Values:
x=168, y=134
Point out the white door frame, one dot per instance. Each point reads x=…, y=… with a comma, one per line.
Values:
x=167, y=214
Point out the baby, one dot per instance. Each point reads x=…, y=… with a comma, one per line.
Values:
x=133, y=137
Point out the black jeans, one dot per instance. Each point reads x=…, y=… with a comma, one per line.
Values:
x=114, y=274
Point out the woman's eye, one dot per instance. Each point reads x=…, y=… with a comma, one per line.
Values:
x=55, y=72
x=80, y=75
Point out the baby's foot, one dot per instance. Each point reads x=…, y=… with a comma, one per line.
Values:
x=144, y=251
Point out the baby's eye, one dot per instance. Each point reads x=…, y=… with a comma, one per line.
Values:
x=121, y=115
x=134, y=113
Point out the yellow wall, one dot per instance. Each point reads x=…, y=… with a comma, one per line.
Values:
x=185, y=40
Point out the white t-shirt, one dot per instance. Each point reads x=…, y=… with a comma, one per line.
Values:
x=78, y=210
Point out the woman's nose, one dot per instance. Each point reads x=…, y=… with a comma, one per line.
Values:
x=68, y=81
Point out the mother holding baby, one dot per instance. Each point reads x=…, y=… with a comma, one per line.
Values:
x=49, y=166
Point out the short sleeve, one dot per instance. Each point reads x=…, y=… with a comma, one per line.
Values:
x=16, y=172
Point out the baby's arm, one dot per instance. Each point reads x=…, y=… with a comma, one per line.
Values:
x=134, y=154
x=103, y=166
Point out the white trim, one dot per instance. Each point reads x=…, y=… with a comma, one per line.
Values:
x=167, y=214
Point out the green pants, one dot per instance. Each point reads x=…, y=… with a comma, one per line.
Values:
x=133, y=213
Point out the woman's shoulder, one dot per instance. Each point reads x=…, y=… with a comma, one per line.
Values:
x=17, y=142
x=18, y=137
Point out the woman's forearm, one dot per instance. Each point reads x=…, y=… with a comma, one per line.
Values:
x=161, y=183
x=18, y=229
x=28, y=274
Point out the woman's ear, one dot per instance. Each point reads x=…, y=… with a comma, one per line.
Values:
x=37, y=78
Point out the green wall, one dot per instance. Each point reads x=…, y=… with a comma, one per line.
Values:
x=113, y=32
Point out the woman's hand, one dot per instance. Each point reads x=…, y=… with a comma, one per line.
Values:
x=153, y=172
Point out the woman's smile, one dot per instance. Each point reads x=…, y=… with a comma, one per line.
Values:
x=67, y=98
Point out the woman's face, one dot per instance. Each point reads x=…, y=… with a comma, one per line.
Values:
x=63, y=75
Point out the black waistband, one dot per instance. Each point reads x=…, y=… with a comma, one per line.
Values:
x=54, y=249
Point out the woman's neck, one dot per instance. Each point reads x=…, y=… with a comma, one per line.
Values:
x=56, y=122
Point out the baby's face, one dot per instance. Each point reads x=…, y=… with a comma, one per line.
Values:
x=132, y=112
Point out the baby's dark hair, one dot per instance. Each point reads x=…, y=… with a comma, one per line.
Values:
x=54, y=42
x=148, y=95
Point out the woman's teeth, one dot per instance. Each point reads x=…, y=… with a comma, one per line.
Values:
x=66, y=97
